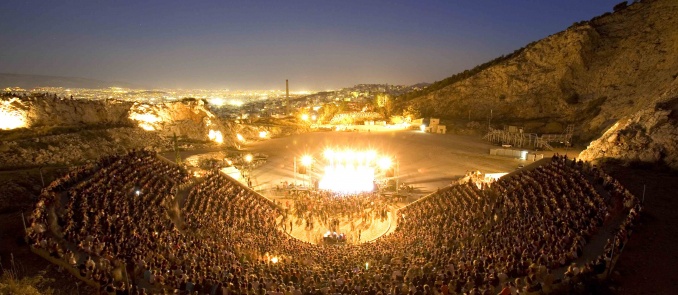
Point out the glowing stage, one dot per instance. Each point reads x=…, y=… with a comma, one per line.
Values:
x=348, y=171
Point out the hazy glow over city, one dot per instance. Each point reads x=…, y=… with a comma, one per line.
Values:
x=242, y=45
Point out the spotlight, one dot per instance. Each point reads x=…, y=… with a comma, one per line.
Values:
x=306, y=160
x=385, y=163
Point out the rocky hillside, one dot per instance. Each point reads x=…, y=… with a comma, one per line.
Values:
x=46, y=130
x=648, y=136
x=189, y=118
x=591, y=75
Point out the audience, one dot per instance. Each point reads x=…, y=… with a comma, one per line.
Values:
x=134, y=223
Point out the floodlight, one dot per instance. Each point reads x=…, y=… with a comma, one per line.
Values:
x=385, y=163
x=306, y=160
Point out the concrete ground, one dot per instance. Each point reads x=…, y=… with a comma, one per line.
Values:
x=426, y=161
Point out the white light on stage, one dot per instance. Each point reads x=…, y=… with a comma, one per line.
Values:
x=348, y=178
x=350, y=171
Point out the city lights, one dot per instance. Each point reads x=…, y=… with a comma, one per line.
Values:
x=217, y=101
x=235, y=102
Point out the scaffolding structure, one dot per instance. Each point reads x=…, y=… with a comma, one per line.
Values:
x=512, y=136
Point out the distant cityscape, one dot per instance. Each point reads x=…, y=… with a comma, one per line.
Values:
x=234, y=104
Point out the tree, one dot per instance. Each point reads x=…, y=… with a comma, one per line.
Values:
x=412, y=112
x=384, y=104
x=620, y=6
x=327, y=112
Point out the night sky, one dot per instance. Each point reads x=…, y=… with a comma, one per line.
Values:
x=258, y=44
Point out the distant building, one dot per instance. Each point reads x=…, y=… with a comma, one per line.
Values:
x=435, y=127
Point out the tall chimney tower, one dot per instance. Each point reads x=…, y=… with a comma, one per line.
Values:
x=287, y=96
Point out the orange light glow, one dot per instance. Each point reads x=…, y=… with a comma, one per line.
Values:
x=145, y=118
x=11, y=117
x=216, y=136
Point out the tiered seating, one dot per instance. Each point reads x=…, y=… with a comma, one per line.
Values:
x=463, y=239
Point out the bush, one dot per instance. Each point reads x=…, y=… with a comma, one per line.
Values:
x=9, y=284
x=620, y=6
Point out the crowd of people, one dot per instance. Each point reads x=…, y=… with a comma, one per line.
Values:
x=511, y=236
x=108, y=215
x=326, y=206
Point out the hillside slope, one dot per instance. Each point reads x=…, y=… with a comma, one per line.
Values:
x=591, y=75
x=648, y=136
x=57, y=131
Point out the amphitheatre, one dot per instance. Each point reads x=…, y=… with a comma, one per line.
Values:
x=120, y=197
x=159, y=229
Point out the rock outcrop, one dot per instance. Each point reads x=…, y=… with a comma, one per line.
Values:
x=649, y=136
x=63, y=131
x=189, y=119
x=57, y=112
x=591, y=75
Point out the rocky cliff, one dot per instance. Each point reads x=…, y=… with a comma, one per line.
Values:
x=649, y=136
x=46, y=130
x=591, y=75
x=189, y=119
